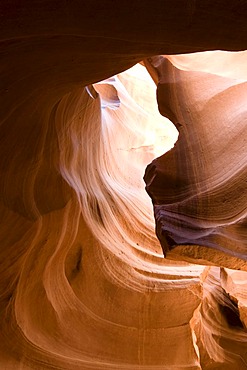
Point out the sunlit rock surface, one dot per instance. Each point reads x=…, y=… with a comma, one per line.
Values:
x=83, y=279
x=199, y=188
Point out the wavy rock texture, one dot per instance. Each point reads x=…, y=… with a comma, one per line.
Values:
x=199, y=188
x=84, y=284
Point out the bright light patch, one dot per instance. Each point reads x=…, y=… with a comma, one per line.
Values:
x=144, y=130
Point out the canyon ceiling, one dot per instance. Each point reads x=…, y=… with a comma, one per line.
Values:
x=123, y=185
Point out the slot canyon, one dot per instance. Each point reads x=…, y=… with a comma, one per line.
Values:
x=123, y=185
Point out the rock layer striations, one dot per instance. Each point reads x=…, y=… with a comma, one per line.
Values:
x=199, y=188
x=83, y=280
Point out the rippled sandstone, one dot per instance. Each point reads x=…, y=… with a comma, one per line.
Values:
x=84, y=282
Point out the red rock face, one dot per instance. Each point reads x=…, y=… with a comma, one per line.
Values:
x=83, y=280
x=198, y=194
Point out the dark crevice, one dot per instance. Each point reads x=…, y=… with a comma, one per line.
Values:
x=73, y=264
x=230, y=312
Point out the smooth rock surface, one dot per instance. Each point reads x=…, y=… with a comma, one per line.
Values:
x=199, y=188
x=83, y=280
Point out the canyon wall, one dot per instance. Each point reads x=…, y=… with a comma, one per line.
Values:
x=84, y=282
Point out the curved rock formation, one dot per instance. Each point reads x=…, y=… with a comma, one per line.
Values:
x=199, y=188
x=84, y=284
